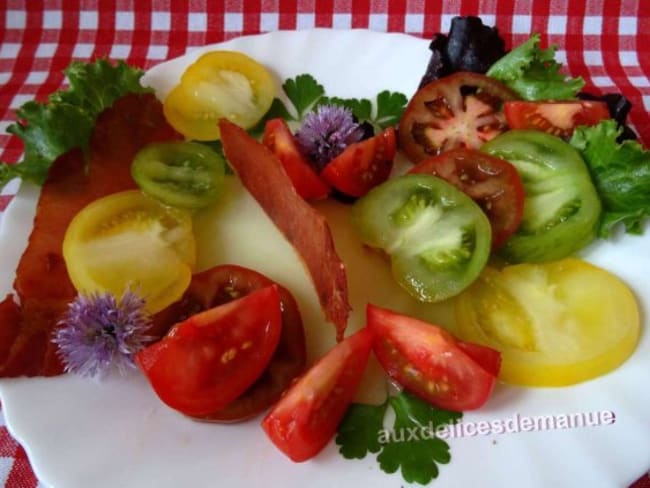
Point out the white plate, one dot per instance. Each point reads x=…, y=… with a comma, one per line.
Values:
x=81, y=433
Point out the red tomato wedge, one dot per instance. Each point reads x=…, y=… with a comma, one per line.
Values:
x=459, y=110
x=431, y=363
x=491, y=182
x=279, y=139
x=557, y=118
x=362, y=165
x=223, y=284
x=307, y=416
x=210, y=359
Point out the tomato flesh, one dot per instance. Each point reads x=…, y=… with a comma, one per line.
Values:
x=279, y=139
x=362, y=165
x=207, y=361
x=437, y=238
x=491, y=182
x=222, y=284
x=460, y=110
x=556, y=118
x=307, y=416
x=219, y=84
x=129, y=240
x=555, y=323
x=429, y=362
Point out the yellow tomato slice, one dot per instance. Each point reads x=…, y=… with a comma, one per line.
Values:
x=219, y=84
x=556, y=323
x=130, y=240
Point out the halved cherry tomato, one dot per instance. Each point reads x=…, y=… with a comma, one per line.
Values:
x=460, y=110
x=557, y=118
x=429, y=362
x=180, y=174
x=493, y=183
x=128, y=239
x=210, y=359
x=222, y=284
x=362, y=165
x=219, y=84
x=307, y=416
x=279, y=139
x=555, y=323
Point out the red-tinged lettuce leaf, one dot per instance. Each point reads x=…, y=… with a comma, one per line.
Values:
x=621, y=174
x=534, y=74
x=470, y=46
x=66, y=120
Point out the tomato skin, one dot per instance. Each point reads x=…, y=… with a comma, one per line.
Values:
x=219, y=84
x=556, y=118
x=491, y=182
x=362, y=165
x=210, y=359
x=556, y=323
x=440, y=117
x=279, y=139
x=306, y=418
x=429, y=362
x=221, y=284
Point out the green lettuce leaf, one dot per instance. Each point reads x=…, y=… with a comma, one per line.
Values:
x=621, y=174
x=66, y=120
x=534, y=74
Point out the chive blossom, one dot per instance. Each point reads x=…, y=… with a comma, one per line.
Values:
x=98, y=333
x=326, y=133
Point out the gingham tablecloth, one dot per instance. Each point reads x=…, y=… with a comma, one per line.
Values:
x=607, y=42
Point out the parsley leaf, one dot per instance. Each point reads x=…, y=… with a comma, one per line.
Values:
x=360, y=108
x=409, y=446
x=358, y=432
x=66, y=120
x=390, y=106
x=306, y=94
x=621, y=174
x=534, y=74
x=303, y=91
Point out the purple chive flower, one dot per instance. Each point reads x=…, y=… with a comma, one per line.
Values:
x=98, y=333
x=326, y=132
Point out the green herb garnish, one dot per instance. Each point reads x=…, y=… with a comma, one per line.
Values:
x=410, y=445
x=306, y=94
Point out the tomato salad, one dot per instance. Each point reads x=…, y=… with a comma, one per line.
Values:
x=495, y=200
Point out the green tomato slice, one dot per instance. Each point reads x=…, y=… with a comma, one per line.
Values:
x=438, y=239
x=180, y=174
x=561, y=206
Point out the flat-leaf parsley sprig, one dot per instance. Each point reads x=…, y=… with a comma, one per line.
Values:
x=362, y=431
x=99, y=333
x=305, y=95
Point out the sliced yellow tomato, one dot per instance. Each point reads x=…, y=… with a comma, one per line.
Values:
x=219, y=84
x=130, y=240
x=556, y=323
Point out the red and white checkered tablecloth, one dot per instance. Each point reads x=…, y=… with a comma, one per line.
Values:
x=607, y=42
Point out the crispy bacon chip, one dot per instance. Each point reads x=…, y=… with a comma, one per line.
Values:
x=42, y=285
x=304, y=227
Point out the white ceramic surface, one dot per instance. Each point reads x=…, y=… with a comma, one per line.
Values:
x=115, y=433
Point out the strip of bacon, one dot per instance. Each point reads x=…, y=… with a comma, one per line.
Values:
x=303, y=226
x=42, y=285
